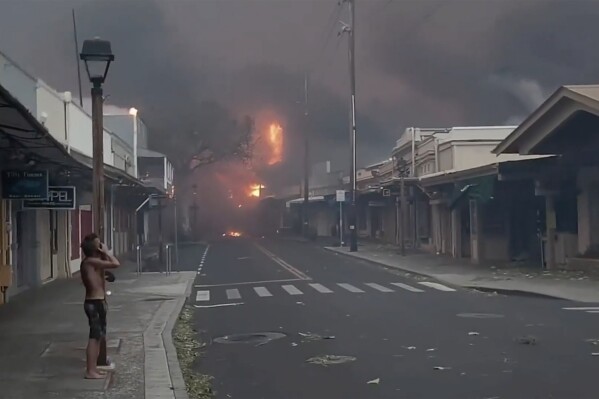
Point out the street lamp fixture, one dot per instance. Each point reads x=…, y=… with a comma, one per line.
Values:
x=97, y=55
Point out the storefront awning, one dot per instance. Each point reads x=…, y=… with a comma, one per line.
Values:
x=24, y=139
x=481, y=189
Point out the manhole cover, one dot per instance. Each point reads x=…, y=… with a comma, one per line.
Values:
x=252, y=338
x=480, y=315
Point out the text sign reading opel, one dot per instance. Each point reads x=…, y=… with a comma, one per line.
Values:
x=59, y=197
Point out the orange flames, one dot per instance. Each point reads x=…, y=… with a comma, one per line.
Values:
x=275, y=142
x=256, y=190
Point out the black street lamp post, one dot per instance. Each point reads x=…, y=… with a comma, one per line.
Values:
x=97, y=55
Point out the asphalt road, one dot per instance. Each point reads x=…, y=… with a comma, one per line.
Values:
x=399, y=328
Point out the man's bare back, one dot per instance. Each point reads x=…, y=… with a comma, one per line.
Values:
x=93, y=267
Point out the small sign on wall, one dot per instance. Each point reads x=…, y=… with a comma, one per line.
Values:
x=23, y=184
x=59, y=197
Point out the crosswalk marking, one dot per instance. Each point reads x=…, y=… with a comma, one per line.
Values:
x=407, y=287
x=236, y=294
x=262, y=291
x=321, y=288
x=379, y=287
x=436, y=286
x=202, y=296
x=233, y=293
x=292, y=290
x=349, y=287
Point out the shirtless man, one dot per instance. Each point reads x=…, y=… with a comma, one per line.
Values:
x=95, y=262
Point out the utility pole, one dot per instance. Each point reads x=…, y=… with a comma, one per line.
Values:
x=351, y=214
x=305, y=220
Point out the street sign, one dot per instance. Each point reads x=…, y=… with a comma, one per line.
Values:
x=21, y=184
x=59, y=197
x=386, y=192
x=340, y=195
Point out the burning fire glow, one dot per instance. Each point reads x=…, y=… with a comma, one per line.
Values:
x=255, y=190
x=275, y=142
x=232, y=234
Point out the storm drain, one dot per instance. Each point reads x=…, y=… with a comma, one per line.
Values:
x=259, y=338
x=481, y=315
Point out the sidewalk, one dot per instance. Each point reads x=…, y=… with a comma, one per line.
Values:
x=43, y=334
x=576, y=286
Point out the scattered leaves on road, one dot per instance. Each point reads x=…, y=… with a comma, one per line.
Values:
x=376, y=381
x=188, y=348
x=326, y=360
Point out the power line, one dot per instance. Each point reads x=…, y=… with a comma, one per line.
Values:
x=328, y=30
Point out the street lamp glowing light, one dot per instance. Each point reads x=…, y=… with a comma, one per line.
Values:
x=97, y=55
x=133, y=111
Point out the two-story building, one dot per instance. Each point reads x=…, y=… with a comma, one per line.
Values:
x=46, y=133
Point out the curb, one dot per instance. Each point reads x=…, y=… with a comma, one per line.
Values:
x=374, y=262
x=178, y=383
x=482, y=288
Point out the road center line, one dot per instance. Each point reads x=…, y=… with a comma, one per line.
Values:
x=298, y=273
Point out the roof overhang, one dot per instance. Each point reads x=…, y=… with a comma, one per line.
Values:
x=557, y=116
x=21, y=131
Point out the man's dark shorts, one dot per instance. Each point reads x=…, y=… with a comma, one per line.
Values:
x=95, y=309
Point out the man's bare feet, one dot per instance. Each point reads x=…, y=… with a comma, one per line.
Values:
x=94, y=375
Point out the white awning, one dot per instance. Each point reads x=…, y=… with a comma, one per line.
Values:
x=318, y=198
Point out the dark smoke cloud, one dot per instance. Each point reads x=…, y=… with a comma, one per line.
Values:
x=423, y=63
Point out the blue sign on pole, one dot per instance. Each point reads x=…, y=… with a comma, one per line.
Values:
x=21, y=184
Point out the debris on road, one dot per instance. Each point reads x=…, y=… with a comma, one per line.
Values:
x=410, y=348
x=326, y=360
x=441, y=368
x=592, y=341
x=299, y=303
x=473, y=333
x=528, y=340
x=595, y=354
x=376, y=381
x=431, y=349
x=243, y=258
x=307, y=337
x=293, y=344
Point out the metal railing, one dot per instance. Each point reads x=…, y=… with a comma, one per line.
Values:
x=169, y=259
x=139, y=267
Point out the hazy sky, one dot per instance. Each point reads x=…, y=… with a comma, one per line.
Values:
x=419, y=63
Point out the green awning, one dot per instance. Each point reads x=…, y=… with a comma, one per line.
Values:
x=480, y=188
